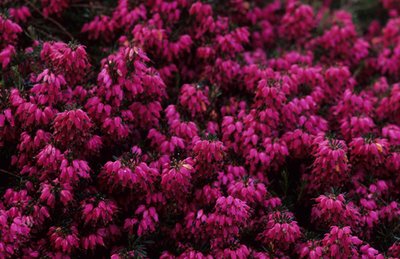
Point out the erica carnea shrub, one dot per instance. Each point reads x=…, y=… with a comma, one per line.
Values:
x=199, y=129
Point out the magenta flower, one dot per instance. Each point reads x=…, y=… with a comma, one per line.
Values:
x=6, y=55
x=176, y=177
x=71, y=61
x=94, y=211
x=20, y=14
x=72, y=126
x=333, y=210
x=280, y=230
x=64, y=239
x=331, y=163
x=8, y=31
x=229, y=217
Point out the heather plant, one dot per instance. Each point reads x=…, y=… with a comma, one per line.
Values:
x=199, y=129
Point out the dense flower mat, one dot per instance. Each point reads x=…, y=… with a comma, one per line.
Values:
x=199, y=129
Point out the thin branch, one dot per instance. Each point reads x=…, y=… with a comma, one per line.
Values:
x=90, y=6
x=43, y=32
x=9, y=173
x=66, y=32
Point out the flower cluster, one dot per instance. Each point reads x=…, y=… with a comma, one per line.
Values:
x=199, y=129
